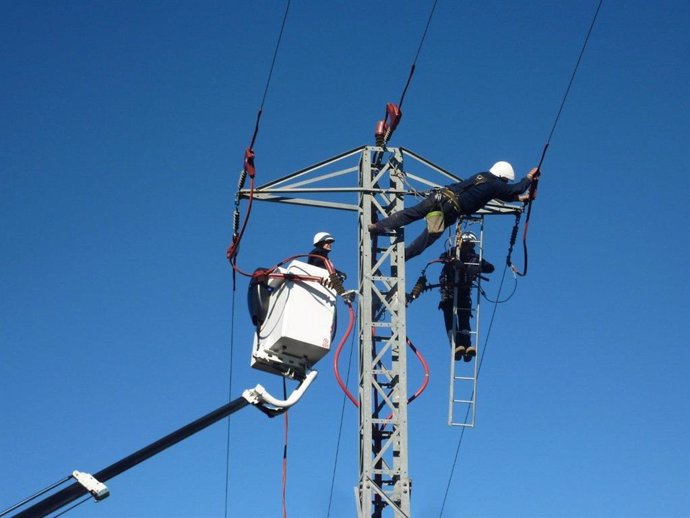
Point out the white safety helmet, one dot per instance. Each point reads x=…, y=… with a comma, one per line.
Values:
x=468, y=237
x=503, y=170
x=323, y=236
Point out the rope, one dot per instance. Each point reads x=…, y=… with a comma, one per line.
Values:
x=535, y=182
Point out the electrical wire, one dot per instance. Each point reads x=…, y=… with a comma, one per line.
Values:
x=73, y=506
x=248, y=167
x=270, y=74
x=227, y=447
x=336, y=357
x=479, y=368
x=497, y=300
x=535, y=182
x=340, y=428
x=419, y=50
x=385, y=128
x=35, y=495
x=285, y=451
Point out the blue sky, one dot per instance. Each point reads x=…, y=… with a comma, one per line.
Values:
x=122, y=134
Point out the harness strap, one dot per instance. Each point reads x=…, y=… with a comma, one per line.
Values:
x=449, y=195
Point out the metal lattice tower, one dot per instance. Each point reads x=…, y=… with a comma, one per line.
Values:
x=380, y=179
x=383, y=472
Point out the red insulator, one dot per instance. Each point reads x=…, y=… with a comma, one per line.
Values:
x=380, y=133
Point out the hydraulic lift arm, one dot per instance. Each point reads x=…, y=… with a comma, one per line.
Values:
x=86, y=483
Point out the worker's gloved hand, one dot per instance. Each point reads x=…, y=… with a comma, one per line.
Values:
x=534, y=173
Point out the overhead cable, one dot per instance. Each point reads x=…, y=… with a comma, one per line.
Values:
x=479, y=368
x=535, y=182
x=419, y=50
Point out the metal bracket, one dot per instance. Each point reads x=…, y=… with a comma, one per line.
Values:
x=97, y=489
x=259, y=396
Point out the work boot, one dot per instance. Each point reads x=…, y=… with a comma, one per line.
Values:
x=459, y=353
x=470, y=353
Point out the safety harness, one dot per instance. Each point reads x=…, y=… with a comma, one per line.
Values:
x=435, y=219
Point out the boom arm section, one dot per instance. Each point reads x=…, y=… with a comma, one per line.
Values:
x=258, y=396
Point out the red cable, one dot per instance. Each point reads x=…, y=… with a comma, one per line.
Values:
x=336, y=356
x=425, y=366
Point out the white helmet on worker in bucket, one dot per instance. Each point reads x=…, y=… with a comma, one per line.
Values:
x=468, y=237
x=323, y=237
x=503, y=170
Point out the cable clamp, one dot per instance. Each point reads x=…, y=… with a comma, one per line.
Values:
x=97, y=489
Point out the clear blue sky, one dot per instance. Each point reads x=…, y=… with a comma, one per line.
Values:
x=123, y=127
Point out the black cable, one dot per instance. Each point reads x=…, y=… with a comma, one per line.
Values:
x=577, y=65
x=340, y=428
x=227, y=447
x=419, y=50
x=73, y=506
x=498, y=300
x=248, y=167
x=35, y=495
x=479, y=368
x=270, y=74
x=533, y=186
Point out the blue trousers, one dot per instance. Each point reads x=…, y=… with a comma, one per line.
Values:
x=415, y=213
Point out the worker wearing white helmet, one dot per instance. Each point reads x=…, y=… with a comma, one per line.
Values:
x=456, y=293
x=323, y=244
x=443, y=206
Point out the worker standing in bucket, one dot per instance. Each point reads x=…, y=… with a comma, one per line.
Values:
x=323, y=244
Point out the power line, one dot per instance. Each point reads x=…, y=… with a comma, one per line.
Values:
x=419, y=50
x=479, y=369
x=227, y=447
x=340, y=428
x=535, y=182
x=572, y=77
x=553, y=128
x=270, y=74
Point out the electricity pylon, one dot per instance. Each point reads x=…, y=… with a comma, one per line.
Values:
x=380, y=177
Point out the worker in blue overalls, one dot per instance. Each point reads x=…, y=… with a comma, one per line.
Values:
x=443, y=206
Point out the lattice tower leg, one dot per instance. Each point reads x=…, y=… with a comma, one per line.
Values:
x=384, y=484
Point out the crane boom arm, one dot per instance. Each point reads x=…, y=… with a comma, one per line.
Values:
x=257, y=396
